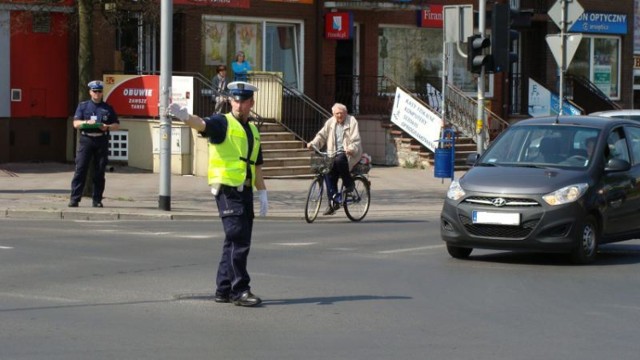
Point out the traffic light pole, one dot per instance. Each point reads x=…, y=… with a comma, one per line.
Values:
x=480, y=121
x=563, y=47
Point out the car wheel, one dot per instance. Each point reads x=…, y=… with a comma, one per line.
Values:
x=586, y=242
x=459, y=252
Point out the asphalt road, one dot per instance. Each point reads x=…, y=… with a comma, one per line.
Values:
x=381, y=289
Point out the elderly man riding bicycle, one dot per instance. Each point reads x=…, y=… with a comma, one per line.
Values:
x=341, y=135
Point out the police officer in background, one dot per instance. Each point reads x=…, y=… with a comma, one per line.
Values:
x=95, y=118
x=235, y=168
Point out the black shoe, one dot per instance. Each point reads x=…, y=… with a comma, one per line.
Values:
x=221, y=298
x=97, y=204
x=331, y=209
x=247, y=299
x=73, y=203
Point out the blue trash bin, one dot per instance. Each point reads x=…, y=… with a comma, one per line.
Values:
x=443, y=166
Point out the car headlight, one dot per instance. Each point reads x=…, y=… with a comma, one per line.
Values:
x=567, y=194
x=455, y=191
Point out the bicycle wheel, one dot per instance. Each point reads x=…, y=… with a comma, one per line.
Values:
x=314, y=200
x=356, y=205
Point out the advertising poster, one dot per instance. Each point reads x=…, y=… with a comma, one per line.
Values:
x=246, y=41
x=182, y=91
x=602, y=78
x=543, y=102
x=215, y=43
x=139, y=95
x=539, y=99
x=415, y=119
x=132, y=95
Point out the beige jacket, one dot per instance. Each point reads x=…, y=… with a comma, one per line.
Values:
x=351, y=138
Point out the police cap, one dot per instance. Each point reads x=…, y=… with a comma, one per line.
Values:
x=96, y=85
x=241, y=90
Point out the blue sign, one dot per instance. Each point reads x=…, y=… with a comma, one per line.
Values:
x=600, y=23
x=567, y=108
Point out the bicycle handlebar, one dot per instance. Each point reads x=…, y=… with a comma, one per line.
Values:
x=324, y=153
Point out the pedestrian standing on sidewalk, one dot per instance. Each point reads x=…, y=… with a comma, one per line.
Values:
x=235, y=168
x=94, y=118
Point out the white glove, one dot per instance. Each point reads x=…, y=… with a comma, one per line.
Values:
x=178, y=112
x=264, y=202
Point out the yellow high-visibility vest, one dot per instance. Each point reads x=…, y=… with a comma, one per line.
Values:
x=228, y=160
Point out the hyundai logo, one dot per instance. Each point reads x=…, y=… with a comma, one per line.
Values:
x=499, y=202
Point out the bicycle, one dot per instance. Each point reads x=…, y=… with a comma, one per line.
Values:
x=355, y=203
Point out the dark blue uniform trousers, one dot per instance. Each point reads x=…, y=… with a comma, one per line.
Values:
x=236, y=211
x=98, y=149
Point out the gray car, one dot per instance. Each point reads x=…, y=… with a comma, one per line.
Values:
x=556, y=184
x=629, y=114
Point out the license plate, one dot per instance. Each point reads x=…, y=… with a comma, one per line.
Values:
x=495, y=218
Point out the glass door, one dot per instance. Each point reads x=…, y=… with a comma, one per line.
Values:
x=282, y=53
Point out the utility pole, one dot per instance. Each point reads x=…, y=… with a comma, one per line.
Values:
x=166, y=49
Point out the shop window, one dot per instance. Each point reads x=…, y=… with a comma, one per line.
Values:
x=598, y=59
x=412, y=57
x=223, y=40
x=274, y=47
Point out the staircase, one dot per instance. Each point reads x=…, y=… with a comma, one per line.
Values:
x=464, y=146
x=461, y=110
x=284, y=155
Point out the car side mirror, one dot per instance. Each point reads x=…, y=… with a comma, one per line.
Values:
x=472, y=159
x=614, y=165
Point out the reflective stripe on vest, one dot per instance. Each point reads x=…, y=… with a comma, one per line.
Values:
x=228, y=160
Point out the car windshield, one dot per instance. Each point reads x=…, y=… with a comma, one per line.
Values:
x=543, y=146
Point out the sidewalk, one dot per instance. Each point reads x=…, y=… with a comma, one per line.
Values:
x=41, y=190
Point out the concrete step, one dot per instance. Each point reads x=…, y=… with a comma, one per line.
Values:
x=286, y=171
x=286, y=161
x=282, y=153
x=277, y=136
x=287, y=144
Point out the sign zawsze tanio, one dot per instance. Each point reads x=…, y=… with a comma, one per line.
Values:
x=133, y=95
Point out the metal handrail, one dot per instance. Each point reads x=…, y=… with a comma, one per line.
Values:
x=592, y=89
x=461, y=111
x=290, y=107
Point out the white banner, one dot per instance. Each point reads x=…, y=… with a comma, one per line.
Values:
x=417, y=120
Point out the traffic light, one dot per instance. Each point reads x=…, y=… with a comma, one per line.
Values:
x=502, y=37
x=476, y=57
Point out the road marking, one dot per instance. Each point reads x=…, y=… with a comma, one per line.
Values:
x=196, y=236
x=296, y=244
x=411, y=249
x=39, y=297
x=6, y=247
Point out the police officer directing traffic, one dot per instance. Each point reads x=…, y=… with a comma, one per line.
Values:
x=95, y=118
x=235, y=168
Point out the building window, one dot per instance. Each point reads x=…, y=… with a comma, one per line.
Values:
x=598, y=59
x=412, y=57
x=119, y=145
x=267, y=46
